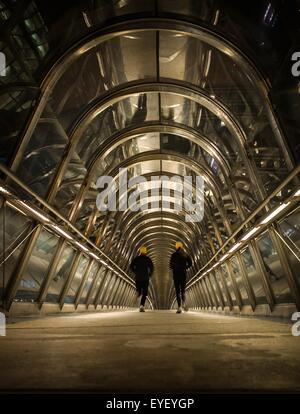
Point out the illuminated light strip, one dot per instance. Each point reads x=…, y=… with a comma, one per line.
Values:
x=41, y=216
x=94, y=256
x=62, y=232
x=82, y=246
x=275, y=213
x=250, y=233
x=3, y=190
x=297, y=193
x=234, y=247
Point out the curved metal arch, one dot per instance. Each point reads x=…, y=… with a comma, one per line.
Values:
x=127, y=211
x=186, y=132
x=142, y=237
x=158, y=156
x=175, y=87
x=134, y=221
x=144, y=228
x=154, y=155
x=154, y=239
x=136, y=215
x=166, y=173
x=157, y=222
x=221, y=213
x=132, y=218
x=172, y=128
x=157, y=237
x=178, y=26
x=189, y=162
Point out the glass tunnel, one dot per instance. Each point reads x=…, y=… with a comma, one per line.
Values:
x=156, y=88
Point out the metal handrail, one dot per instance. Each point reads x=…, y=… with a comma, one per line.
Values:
x=16, y=179
x=291, y=176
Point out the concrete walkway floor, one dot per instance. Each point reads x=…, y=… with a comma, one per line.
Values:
x=157, y=351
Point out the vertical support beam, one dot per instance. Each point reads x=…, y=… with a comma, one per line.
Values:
x=283, y=256
x=228, y=296
x=120, y=293
x=218, y=289
x=234, y=284
x=99, y=294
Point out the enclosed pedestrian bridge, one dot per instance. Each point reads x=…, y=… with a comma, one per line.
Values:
x=95, y=89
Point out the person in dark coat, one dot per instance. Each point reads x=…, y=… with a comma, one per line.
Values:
x=179, y=263
x=142, y=267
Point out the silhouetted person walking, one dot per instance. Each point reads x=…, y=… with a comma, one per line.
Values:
x=142, y=267
x=179, y=263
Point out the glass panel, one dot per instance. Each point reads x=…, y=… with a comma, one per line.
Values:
x=290, y=229
x=180, y=57
x=61, y=275
x=237, y=274
x=96, y=287
x=216, y=291
x=37, y=267
x=139, y=144
x=254, y=277
x=119, y=60
x=274, y=269
x=222, y=288
x=70, y=186
x=17, y=226
x=89, y=282
x=81, y=268
x=229, y=285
